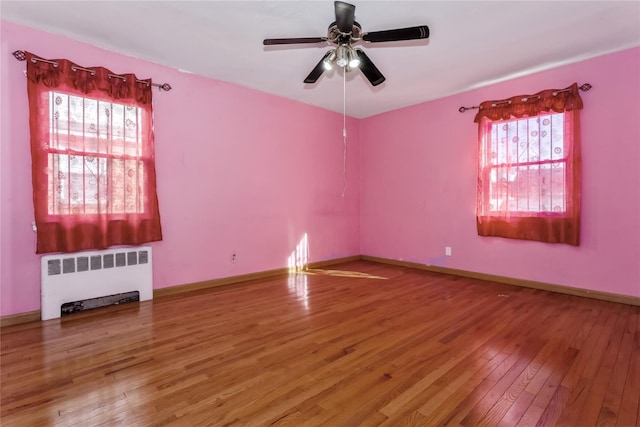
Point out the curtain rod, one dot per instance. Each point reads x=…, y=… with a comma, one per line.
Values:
x=21, y=56
x=585, y=87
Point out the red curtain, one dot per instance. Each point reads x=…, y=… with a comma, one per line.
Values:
x=92, y=150
x=529, y=167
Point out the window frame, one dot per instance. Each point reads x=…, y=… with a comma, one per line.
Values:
x=487, y=167
x=51, y=151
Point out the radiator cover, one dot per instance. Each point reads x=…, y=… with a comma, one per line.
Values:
x=81, y=276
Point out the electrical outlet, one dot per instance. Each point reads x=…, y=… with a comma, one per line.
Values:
x=234, y=256
x=447, y=250
x=34, y=227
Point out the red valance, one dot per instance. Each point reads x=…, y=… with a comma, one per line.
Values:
x=53, y=73
x=556, y=100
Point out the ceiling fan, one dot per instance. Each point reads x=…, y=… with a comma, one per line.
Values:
x=342, y=34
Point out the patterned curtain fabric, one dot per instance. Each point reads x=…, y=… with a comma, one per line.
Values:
x=92, y=150
x=529, y=167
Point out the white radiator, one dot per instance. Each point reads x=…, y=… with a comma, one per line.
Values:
x=84, y=275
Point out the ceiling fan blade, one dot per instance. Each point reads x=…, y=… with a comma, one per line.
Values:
x=268, y=42
x=411, y=33
x=317, y=71
x=369, y=70
x=345, y=16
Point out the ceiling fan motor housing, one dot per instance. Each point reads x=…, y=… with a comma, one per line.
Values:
x=336, y=37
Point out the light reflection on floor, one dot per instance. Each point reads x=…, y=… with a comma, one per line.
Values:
x=299, y=285
x=298, y=264
x=342, y=273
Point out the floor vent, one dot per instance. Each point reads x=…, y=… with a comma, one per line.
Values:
x=88, y=304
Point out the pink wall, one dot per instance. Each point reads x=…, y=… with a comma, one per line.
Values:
x=418, y=182
x=238, y=170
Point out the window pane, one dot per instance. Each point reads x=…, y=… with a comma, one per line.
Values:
x=527, y=140
x=528, y=188
x=58, y=120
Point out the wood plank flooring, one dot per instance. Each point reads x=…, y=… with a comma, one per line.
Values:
x=364, y=344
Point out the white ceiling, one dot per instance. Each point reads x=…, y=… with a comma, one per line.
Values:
x=472, y=43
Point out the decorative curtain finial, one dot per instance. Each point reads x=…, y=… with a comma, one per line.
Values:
x=20, y=55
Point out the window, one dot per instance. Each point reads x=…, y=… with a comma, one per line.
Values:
x=95, y=156
x=92, y=150
x=525, y=164
x=529, y=167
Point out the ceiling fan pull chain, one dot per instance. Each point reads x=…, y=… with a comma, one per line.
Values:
x=344, y=130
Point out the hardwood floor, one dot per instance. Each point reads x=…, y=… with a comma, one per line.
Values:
x=387, y=346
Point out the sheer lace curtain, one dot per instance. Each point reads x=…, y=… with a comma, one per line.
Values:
x=92, y=149
x=529, y=167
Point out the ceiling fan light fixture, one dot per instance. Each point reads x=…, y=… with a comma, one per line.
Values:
x=342, y=56
x=329, y=60
x=354, y=61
